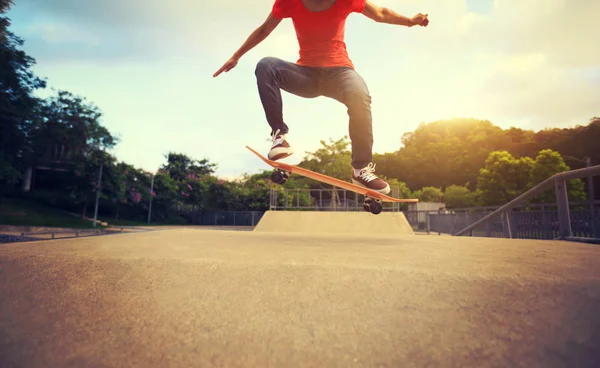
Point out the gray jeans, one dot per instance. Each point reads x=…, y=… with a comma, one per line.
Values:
x=340, y=83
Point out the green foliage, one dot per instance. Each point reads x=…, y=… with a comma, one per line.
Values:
x=81, y=187
x=164, y=197
x=5, y=5
x=165, y=189
x=548, y=163
x=251, y=192
x=459, y=196
x=24, y=212
x=504, y=177
x=429, y=194
x=403, y=189
x=447, y=152
x=442, y=153
x=181, y=167
x=69, y=121
x=9, y=175
x=331, y=159
x=17, y=103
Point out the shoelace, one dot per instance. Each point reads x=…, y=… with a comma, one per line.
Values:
x=366, y=174
x=274, y=138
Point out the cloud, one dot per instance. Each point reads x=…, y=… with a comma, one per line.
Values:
x=124, y=16
x=530, y=87
x=532, y=63
x=564, y=31
x=141, y=29
x=52, y=32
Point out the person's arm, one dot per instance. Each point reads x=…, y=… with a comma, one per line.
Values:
x=256, y=37
x=385, y=15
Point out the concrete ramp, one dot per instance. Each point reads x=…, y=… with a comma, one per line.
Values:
x=328, y=222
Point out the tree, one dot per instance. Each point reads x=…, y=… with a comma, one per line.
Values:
x=70, y=123
x=443, y=153
x=180, y=166
x=251, y=192
x=84, y=181
x=17, y=84
x=447, y=152
x=4, y=7
x=194, y=191
x=66, y=134
x=332, y=159
x=503, y=177
x=458, y=196
x=548, y=163
x=520, y=142
x=126, y=187
x=165, y=196
x=429, y=194
x=403, y=189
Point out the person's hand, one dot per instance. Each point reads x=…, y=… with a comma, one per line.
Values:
x=230, y=64
x=420, y=20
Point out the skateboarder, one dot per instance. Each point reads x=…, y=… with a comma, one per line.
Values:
x=323, y=69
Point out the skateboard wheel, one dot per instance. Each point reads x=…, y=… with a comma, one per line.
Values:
x=373, y=205
x=376, y=208
x=279, y=177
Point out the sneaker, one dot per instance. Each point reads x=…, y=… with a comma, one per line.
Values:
x=280, y=148
x=367, y=179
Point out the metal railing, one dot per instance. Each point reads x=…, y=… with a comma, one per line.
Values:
x=566, y=222
x=27, y=236
x=530, y=221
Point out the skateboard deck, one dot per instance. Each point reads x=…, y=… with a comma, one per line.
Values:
x=332, y=181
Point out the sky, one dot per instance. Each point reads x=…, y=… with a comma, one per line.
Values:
x=148, y=66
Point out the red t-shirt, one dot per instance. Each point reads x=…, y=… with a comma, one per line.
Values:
x=320, y=34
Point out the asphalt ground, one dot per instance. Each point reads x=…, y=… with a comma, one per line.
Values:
x=209, y=298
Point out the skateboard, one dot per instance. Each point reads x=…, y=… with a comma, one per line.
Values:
x=372, y=201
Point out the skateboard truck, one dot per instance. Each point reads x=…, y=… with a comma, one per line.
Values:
x=280, y=176
x=372, y=205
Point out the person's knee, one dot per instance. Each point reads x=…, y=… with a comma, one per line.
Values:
x=265, y=65
x=357, y=98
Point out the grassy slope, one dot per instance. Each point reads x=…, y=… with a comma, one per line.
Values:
x=27, y=213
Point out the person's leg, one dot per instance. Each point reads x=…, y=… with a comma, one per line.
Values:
x=348, y=87
x=274, y=75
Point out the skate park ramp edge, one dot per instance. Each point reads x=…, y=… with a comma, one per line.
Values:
x=334, y=222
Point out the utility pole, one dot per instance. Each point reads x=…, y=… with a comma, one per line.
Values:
x=98, y=193
x=150, y=204
x=592, y=198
